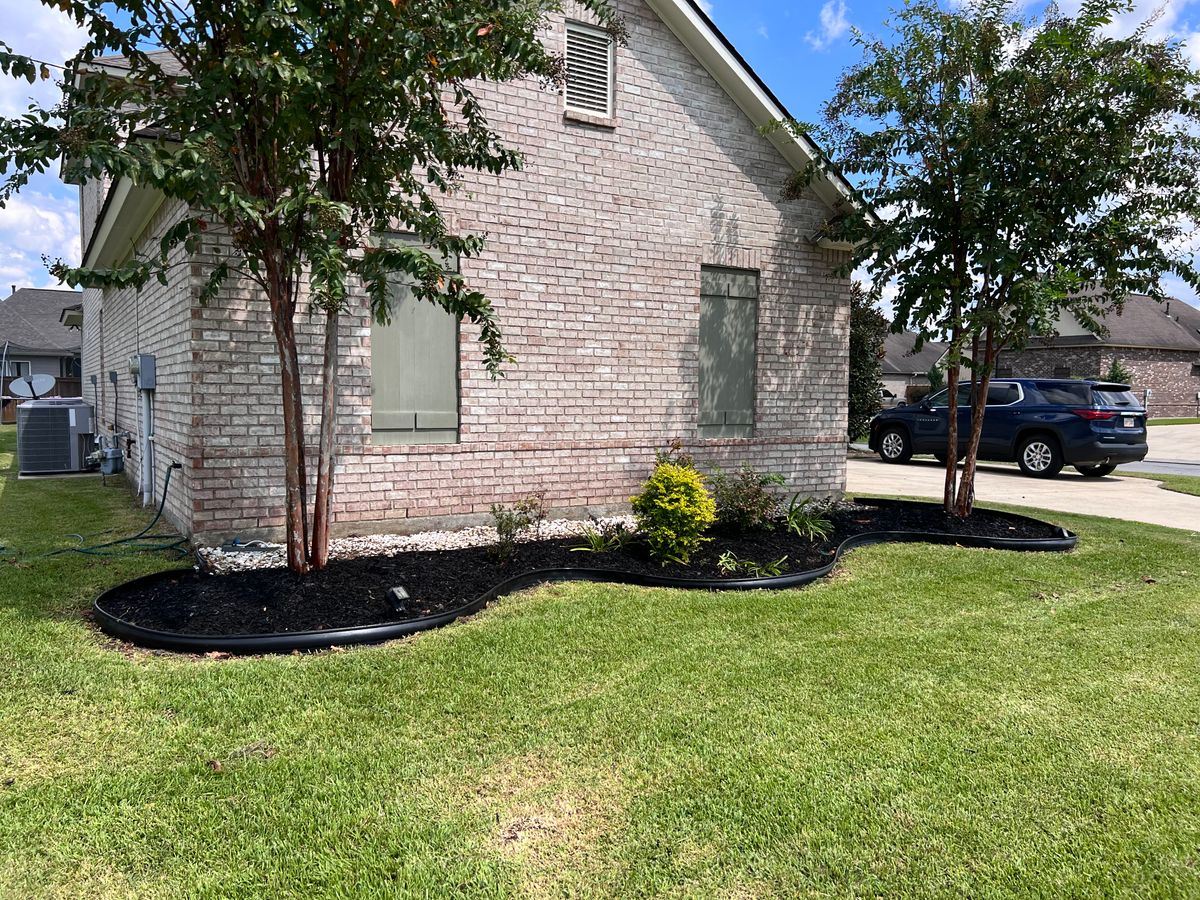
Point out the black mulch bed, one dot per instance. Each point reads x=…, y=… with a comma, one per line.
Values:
x=354, y=592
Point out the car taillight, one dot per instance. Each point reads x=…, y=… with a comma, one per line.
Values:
x=1093, y=414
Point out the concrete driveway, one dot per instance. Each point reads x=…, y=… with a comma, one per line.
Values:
x=1131, y=499
x=1173, y=449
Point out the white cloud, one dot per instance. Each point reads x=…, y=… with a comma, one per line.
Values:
x=44, y=217
x=834, y=24
x=34, y=223
x=762, y=32
x=44, y=34
x=707, y=6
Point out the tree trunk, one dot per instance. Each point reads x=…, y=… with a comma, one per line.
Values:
x=323, y=505
x=293, y=433
x=965, y=502
x=953, y=364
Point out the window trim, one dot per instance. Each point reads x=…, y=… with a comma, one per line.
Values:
x=583, y=114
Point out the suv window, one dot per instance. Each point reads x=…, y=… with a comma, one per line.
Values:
x=1115, y=398
x=1003, y=394
x=942, y=397
x=1065, y=394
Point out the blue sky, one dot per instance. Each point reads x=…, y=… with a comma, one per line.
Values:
x=798, y=47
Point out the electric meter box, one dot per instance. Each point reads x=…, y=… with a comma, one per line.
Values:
x=141, y=367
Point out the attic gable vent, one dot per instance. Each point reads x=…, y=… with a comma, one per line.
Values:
x=589, y=70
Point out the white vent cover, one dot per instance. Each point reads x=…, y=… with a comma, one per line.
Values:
x=589, y=69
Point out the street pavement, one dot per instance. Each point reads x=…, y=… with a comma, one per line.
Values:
x=1174, y=450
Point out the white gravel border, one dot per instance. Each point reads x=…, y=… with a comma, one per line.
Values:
x=273, y=556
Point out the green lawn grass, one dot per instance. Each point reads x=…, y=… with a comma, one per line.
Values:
x=931, y=722
x=1184, y=484
x=1173, y=422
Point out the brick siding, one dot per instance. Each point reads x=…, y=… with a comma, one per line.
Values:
x=593, y=262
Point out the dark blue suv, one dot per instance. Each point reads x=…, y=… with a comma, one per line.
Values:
x=1040, y=423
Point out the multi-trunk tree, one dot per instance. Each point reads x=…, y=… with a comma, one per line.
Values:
x=1019, y=170
x=297, y=133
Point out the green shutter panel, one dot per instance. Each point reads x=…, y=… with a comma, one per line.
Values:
x=728, y=333
x=414, y=373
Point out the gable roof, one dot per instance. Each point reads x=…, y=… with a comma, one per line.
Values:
x=29, y=322
x=717, y=54
x=1143, y=323
x=899, y=359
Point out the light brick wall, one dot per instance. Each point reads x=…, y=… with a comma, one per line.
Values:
x=593, y=262
x=157, y=319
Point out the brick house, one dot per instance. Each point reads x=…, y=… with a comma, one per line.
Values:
x=648, y=277
x=1159, y=343
x=39, y=335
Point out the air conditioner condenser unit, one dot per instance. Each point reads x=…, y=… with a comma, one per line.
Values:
x=53, y=435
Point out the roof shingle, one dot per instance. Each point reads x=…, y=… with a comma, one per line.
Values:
x=29, y=322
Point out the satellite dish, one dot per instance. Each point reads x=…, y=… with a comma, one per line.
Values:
x=32, y=386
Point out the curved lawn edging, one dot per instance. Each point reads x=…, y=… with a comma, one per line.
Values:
x=286, y=642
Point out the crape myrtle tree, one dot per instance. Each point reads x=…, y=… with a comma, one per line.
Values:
x=297, y=132
x=1019, y=169
x=868, y=329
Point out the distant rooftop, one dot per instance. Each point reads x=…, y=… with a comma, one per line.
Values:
x=899, y=359
x=1143, y=322
x=30, y=322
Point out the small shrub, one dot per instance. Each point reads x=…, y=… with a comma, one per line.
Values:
x=533, y=508
x=745, y=501
x=675, y=455
x=729, y=564
x=510, y=523
x=808, y=518
x=604, y=537
x=673, y=511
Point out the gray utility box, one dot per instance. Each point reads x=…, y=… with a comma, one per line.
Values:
x=53, y=435
x=143, y=369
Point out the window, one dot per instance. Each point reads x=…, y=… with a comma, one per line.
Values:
x=414, y=369
x=1069, y=394
x=942, y=397
x=728, y=332
x=16, y=368
x=589, y=70
x=1003, y=371
x=1062, y=371
x=70, y=367
x=1003, y=394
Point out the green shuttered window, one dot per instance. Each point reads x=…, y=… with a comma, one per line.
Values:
x=728, y=332
x=414, y=369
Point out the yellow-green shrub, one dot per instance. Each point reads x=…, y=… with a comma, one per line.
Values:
x=673, y=510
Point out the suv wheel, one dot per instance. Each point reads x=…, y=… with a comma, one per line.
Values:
x=1039, y=456
x=894, y=446
x=1095, y=471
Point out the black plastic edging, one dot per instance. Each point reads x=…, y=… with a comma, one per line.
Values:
x=373, y=634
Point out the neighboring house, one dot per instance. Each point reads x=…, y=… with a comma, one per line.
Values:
x=903, y=368
x=1159, y=343
x=648, y=277
x=37, y=338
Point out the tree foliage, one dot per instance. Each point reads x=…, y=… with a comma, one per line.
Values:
x=297, y=132
x=868, y=329
x=1020, y=169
